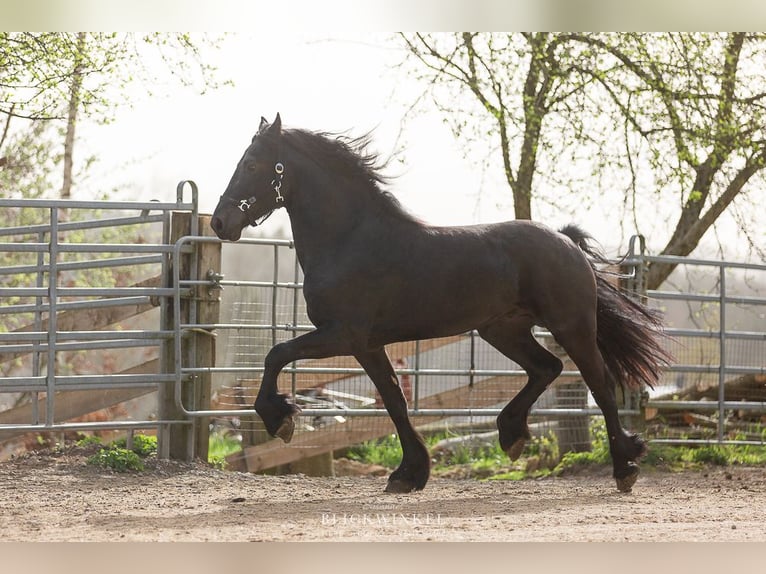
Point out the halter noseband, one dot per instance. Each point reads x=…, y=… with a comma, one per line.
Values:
x=244, y=205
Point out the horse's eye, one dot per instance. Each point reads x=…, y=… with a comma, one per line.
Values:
x=250, y=166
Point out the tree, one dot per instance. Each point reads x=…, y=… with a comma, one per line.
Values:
x=65, y=77
x=75, y=87
x=686, y=109
x=517, y=81
x=693, y=108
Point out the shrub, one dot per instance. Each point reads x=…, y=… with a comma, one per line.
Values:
x=385, y=452
x=143, y=445
x=118, y=459
x=710, y=454
x=88, y=440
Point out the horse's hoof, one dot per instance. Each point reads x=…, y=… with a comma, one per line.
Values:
x=399, y=486
x=626, y=483
x=286, y=429
x=514, y=451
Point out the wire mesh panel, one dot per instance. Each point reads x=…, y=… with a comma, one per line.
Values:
x=459, y=383
x=715, y=314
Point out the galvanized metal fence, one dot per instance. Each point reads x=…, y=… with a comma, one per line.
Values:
x=70, y=271
x=716, y=318
x=463, y=380
x=458, y=381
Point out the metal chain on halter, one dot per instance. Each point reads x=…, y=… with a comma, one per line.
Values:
x=279, y=169
x=244, y=205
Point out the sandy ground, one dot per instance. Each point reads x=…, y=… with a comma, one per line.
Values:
x=57, y=497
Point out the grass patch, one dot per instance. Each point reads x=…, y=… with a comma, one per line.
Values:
x=541, y=456
x=116, y=456
x=385, y=451
x=221, y=446
x=117, y=459
x=143, y=445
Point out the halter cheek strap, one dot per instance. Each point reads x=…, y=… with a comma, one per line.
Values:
x=279, y=170
x=244, y=205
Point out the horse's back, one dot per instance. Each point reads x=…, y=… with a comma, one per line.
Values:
x=446, y=280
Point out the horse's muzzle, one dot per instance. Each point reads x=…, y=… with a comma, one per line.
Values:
x=219, y=227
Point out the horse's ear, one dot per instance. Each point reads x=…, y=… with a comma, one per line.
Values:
x=273, y=128
x=264, y=125
x=276, y=126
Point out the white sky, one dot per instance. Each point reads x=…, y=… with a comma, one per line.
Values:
x=323, y=81
x=347, y=83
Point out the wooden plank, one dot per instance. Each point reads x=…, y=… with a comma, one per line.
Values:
x=74, y=404
x=309, y=444
x=395, y=351
x=90, y=319
x=208, y=313
x=358, y=429
x=176, y=441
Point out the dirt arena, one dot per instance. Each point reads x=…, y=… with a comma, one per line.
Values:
x=57, y=497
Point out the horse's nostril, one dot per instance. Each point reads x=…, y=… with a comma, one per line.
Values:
x=216, y=224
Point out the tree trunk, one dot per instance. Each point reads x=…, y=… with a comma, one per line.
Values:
x=74, y=105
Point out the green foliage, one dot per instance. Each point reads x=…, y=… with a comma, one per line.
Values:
x=143, y=445
x=220, y=446
x=716, y=455
x=386, y=451
x=117, y=459
x=541, y=457
x=599, y=452
x=88, y=440
x=510, y=475
x=121, y=459
x=663, y=456
x=37, y=70
x=689, y=104
x=483, y=462
x=546, y=447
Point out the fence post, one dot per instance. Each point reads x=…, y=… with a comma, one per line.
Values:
x=176, y=440
x=635, y=283
x=208, y=301
x=189, y=441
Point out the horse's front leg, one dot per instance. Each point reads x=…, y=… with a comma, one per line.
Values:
x=413, y=472
x=275, y=409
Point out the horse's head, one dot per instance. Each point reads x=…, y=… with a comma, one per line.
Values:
x=255, y=189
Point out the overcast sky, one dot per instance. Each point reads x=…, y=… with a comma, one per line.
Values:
x=340, y=83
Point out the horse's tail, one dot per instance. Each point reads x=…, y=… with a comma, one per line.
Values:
x=628, y=333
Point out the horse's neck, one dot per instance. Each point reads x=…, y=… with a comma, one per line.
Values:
x=323, y=220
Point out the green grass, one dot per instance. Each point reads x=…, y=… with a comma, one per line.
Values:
x=385, y=451
x=221, y=446
x=541, y=456
x=117, y=459
x=143, y=445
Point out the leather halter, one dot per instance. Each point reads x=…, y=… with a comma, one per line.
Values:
x=244, y=205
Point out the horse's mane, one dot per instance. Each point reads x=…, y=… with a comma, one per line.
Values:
x=351, y=158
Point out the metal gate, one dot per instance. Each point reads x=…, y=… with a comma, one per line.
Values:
x=69, y=269
x=457, y=379
x=717, y=323
x=70, y=273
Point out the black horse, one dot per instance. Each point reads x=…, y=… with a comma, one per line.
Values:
x=376, y=275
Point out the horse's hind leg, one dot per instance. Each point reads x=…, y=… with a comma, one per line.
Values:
x=514, y=339
x=625, y=448
x=413, y=472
